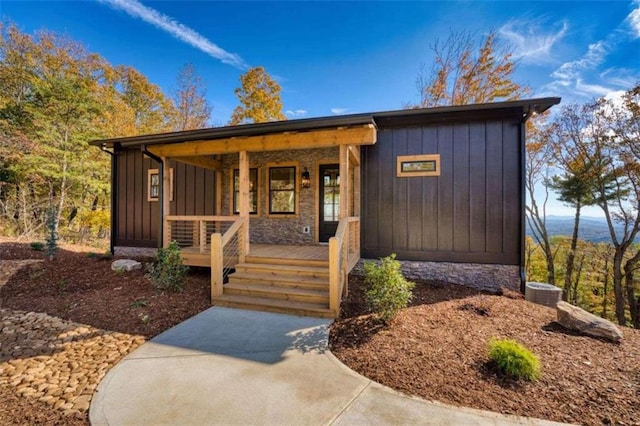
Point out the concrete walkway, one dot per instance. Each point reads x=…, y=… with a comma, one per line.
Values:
x=229, y=366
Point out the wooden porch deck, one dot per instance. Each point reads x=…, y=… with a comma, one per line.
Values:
x=193, y=257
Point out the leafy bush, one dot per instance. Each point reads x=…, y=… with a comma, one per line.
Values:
x=514, y=359
x=387, y=290
x=37, y=246
x=168, y=271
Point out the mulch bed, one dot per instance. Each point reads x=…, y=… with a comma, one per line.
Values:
x=81, y=287
x=437, y=349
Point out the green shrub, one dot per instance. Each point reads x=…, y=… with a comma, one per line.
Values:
x=514, y=359
x=37, y=246
x=387, y=290
x=168, y=271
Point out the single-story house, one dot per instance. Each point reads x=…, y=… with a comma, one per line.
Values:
x=283, y=211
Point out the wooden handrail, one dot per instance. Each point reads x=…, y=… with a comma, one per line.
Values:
x=206, y=218
x=232, y=230
x=218, y=243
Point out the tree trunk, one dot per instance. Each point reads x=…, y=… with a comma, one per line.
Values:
x=606, y=288
x=576, y=283
x=548, y=255
x=572, y=254
x=629, y=283
x=617, y=286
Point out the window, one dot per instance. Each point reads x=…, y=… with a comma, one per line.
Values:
x=153, y=185
x=282, y=190
x=253, y=191
x=418, y=165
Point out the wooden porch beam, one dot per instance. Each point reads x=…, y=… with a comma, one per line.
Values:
x=201, y=161
x=361, y=135
x=354, y=154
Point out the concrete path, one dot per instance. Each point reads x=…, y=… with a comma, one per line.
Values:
x=230, y=366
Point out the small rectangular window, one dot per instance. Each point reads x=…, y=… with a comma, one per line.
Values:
x=153, y=185
x=418, y=165
x=253, y=191
x=282, y=190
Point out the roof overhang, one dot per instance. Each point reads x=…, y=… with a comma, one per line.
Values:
x=355, y=129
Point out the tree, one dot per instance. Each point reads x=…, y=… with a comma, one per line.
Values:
x=55, y=96
x=193, y=110
x=459, y=75
x=606, y=137
x=538, y=158
x=259, y=97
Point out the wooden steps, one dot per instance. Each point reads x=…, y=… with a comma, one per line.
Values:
x=292, y=286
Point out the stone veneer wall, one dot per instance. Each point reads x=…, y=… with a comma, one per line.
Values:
x=285, y=229
x=483, y=277
x=134, y=251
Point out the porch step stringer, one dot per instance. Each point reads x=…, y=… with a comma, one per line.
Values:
x=290, y=286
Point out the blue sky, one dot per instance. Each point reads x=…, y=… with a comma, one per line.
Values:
x=346, y=57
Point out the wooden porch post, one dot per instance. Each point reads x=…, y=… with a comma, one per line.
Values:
x=244, y=199
x=166, y=201
x=344, y=181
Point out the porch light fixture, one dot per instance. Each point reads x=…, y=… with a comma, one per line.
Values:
x=306, y=178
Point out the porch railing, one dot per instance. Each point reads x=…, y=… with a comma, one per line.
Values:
x=344, y=253
x=193, y=233
x=227, y=250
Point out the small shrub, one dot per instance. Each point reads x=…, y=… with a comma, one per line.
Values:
x=514, y=359
x=168, y=271
x=387, y=290
x=37, y=246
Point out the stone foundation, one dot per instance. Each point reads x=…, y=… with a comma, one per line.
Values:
x=480, y=276
x=134, y=251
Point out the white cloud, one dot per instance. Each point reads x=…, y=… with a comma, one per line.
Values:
x=529, y=41
x=137, y=10
x=339, y=111
x=633, y=19
x=296, y=112
x=594, y=57
x=592, y=89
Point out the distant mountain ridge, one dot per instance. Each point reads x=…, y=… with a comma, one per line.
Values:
x=592, y=229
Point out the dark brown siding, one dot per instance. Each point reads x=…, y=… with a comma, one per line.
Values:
x=136, y=218
x=470, y=213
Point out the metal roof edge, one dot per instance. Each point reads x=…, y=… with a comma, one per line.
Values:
x=538, y=105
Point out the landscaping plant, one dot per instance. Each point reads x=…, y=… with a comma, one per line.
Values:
x=387, y=289
x=52, y=235
x=168, y=271
x=514, y=359
x=37, y=246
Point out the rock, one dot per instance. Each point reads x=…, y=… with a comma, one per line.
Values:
x=126, y=265
x=578, y=319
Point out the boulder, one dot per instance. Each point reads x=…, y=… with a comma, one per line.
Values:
x=578, y=319
x=126, y=265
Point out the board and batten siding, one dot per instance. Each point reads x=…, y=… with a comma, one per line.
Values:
x=194, y=193
x=471, y=213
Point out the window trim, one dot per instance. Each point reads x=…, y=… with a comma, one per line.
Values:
x=296, y=189
x=151, y=172
x=401, y=159
x=257, y=191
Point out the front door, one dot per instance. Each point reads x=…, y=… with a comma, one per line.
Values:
x=329, y=201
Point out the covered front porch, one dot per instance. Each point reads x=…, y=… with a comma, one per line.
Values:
x=266, y=249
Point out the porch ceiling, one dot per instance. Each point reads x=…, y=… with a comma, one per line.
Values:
x=322, y=138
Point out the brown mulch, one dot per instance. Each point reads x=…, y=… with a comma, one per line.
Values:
x=437, y=349
x=80, y=286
